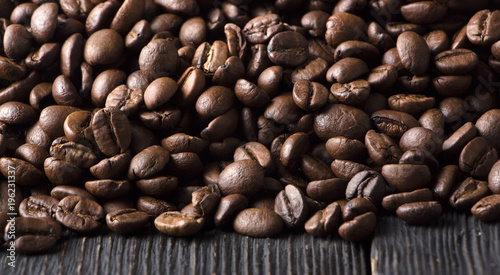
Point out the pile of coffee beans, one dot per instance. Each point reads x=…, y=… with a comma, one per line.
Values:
x=260, y=116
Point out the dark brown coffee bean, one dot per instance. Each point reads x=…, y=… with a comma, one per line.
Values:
x=78, y=128
x=257, y=152
x=419, y=156
x=292, y=150
x=138, y=36
x=62, y=191
x=164, y=118
x=382, y=148
x=76, y=9
x=108, y=189
x=126, y=221
x=487, y=209
x=325, y=221
x=260, y=29
x=129, y=13
x=494, y=178
x=65, y=93
x=78, y=154
x=382, y=77
x=437, y=41
x=419, y=213
x=228, y=207
x=79, y=214
x=174, y=223
x=224, y=149
x=315, y=22
x=488, y=127
x=191, y=84
x=250, y=94
x=394, y=201
x=359, y=228
x=184, y=143
x=158, y=58
x=451, y=85
x=32, y=235
x=258, y=61
x=103, y=47
x=347, y=70
x=344, y=115
x=241, y=177
x=346, y=169
x=477, y=158
x=424, y=12
x=32, y=153
x=189, y=7
x=341, y=27
x=406, y=177
x=353, y=93
x=345, y=148
x=72, y=55
x=445, y=181
x=17, y=42
x=41, y=96
x=378, y=37
x=104, y=84
x=215, y=101
x=258, y=223
x=413, y=52
x=154, y=207
x=184, y=165
x=411, y=103
x=36, y=135
x=456, y=62
x=236, y=41
x=356, y=207
x=114, y=205
x=11, y=71
x=25, y=173
x=481, y=29
x=148, y=162
x=468, y=193
x=283, y=110
x=393, y=123
x=44, y=22
x=159, y=92
x=193, y=32
x=210, y=57
x=314, y=168
x=38, y=206
x=221, y=127
x=61, y=172
x=433, y=120
x=419, y=137
x=454, y=144
x=111, y=130
x=14, y=112
x=287, y=48
x=128, y=100
x=328, y=190
x=366, y=184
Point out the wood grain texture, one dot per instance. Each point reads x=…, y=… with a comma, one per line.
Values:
x=456, y=243
x=212, y=252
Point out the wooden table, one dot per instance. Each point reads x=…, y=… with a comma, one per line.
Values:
x=456, y=244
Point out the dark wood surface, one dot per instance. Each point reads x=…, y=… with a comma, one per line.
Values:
x=456, y=244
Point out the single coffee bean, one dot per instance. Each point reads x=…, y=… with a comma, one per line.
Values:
x=250, y=94
x=413, y=52
x=342, y=27
x=11, y=71
x=148, y=162
x=158, y=58
x=17, y=42
x=419, y=213
x=350, y=122
x=353, y=93
x=79, y=214
x=32, y=153
x=109, y=189
x=210, y=57
x=454, y=144
x=44, y=22
x=206, y=199
x=437, y=41
x=190, y=85
x=445, y=181
x=382, y=148
x=75, y=153
x=481, y=29
x=184, y=143
x=366, y=184
x=52, y=119
x=103, y=47
x=257, y=152
x=41, y=96
x=487, y=209
x=406, y=177
x=258, y=223
x=174, y=223
x=488, y=127
x=287, y=48
x=394, y=201
x=382, y=77
x=260, y=29
x=189, y=7
x=111, y=130
x=38, y=206
x=419, y=156
x=456, y=62
x=25, y=173
x=393, y=123
x=314, y=168
x=328, y=190
x=356, y=207
x=325, y=221
x=494, y=178
x=378, y=37
x=104, y=84
x=128, y=100
x=236, y=41
x=61, y=172
x=315, y=22
x=159, y=92
x=283, y=109
x=413, y=85
x=215, y=101
x=154, y=207
x=421, y=138
x=33, y=235
x=477, y=158
x=243, y=177
x=347, y=70
x=290, y=204
x=344, y=148
x=468, y=193
x=126, y=221
x=228, y=208
x=14, y=112
x=114, y=205
x=413, y=104
x=62, y=191
x=346, y=169
x=424, y=12
x=292, y=150
x=358, y=228
x=433, y=119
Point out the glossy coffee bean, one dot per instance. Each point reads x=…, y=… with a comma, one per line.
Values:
x=290, y=204
x=382, y=148
x=32, y=235
x=419, y=212
x=393, y=123
x=228, y=208
x=406, y=177
x=359, y=228
x=109, y=189
x=243, y=177
x=179, y=224
x=477, y=158
x=481, y=29
x=325, y=221
x=38, y=206
x=487, y=209
x=350, y=122
x=327, y=190
x=62, y=191
x=287, y=48
x=103, y=47
x=467, y=193
x=79, y=214
x=111, y=130
x=366, y=184
x=126, y=221
x=394, y=201
x=148, y=162
x=258, y=223
x=413, y=52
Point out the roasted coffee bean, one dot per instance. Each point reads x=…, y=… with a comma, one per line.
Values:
x=32, y=153
x=347, y=70
x=11, y=71
x=61, y=172
x=159, y=92
x=62, y=191
x=413, y=85
x=287, y=48
x=494, y=178
x=107, y=188
x=456, y=62
x=393, y=123
x=344, y=148
x=419, y=156
x=103, y=47
x=468, y=192
x=346, y=169
x=419, y=213
x=454, y=144
x=421, y=138
x=193, y=32
x=25, y=173
x=356, y=207
x=315, y=22
x=184, y=165
x=228, y=207
x=104, y=84
x=148, y=162
x=291, y=205
x=184, y=143
x=158, y=58
x=44, y=22
x=378, y=37
x=353, y=93
x=41, y=96
x=382, y=77
x=487, y=209
x=257, y=152
x=243, y=177
x=114, y=205
x=424, y=12
x=481, y=29
x=358, y=228
x=126, y=221
x=366, y=184
x=65, y=93
x=406, y=177
x=394, y=201
x=445, y=181
x=410, y=103
x=79, y=214
x=347, y=121
x=128, y=100
x=437, y=41
x=236, y=41
x=258, y=223
x=77, y=154
x=341, y=27
x=17, y=42
x=413, y=52
x=38, y=206
x=215, y=101
x=325, y=221
x=154, y=207
x=174, y=223
x=250, y=94
x=382, y=148
x=283, y=109
x=314, y=168
x=477, y=158
x=14, y=112
x=206, y=199
x=111, y=130
x=488, y=127
x=328, y=190
x=32, y=235
x=262, y=28
x=433, y=120
x=292, y=150
x=210, y=57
